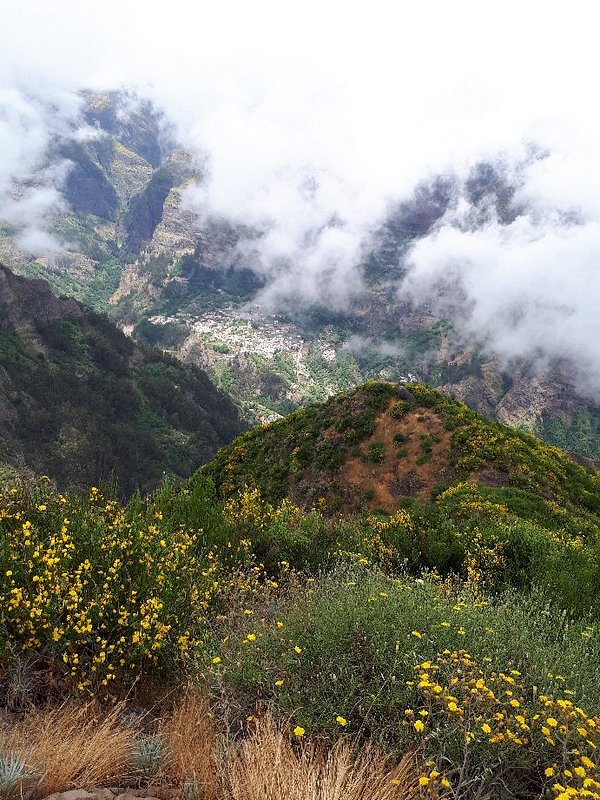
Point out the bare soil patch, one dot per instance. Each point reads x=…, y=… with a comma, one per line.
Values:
x=404, y=441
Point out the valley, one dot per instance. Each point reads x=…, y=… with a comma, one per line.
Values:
x=137, y=250
x=299, y=402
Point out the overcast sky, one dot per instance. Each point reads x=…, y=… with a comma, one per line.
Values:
x=314, y=111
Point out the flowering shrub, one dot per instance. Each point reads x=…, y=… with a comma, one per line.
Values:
x=104, y=593
x=471, y=715
x=427, y=663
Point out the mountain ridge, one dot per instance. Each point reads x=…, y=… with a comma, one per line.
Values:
x=82, y=403
x=186, y=285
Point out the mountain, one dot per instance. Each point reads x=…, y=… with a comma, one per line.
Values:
x=137, y=251
x=385, y=444
x=82, y=403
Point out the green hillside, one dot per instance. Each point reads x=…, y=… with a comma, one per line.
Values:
x=431, y=588
x=383, y=443
x=433, y=483
x=82, y=403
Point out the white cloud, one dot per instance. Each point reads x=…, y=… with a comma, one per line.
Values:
x=315, y=116
x=28, y=186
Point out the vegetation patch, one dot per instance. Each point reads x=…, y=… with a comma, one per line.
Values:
x=446, y=643
x=86, y=405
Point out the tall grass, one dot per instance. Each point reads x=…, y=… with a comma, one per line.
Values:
x=71, y=747
x=268, y=766
x=191, y=743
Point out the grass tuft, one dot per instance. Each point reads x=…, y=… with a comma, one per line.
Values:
x=268, y=766
x=70, y=747
x=190, y=741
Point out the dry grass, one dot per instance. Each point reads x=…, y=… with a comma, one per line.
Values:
x=267, y=766
x=190, y=743
x=70, y=748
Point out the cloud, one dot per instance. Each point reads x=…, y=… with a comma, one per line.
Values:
x=363, y=345
x=528, y=288
x=314, y=119
x=29, y=185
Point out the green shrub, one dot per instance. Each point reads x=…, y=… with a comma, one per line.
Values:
x=376, y=452
x=399, y=409
x=361, y=635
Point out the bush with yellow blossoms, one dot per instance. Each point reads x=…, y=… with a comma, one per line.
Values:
x=427, y=664
x=99, y=593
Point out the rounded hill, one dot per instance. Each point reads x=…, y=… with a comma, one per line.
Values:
x=386, y=444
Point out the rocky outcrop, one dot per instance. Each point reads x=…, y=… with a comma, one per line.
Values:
x=158, y=792
x=147, y=209
x=130, y=120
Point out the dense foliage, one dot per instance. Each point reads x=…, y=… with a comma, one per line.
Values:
x=81, y=402
x=462, y=624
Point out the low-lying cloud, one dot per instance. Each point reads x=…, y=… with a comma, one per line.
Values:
x=29, y=184
x=528, y=288
x=313, y=120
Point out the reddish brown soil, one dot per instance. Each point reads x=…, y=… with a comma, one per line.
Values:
x=400, y=476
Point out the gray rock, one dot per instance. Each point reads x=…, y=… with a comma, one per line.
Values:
x=134, y=796
x=102, y=794
x=402, y=393
x=73, y=794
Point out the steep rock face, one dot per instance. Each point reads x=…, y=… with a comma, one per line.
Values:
x=150, y=205
x=87, y=188
x=130, y=120
x=107, y=172
x=548, y=403
x=82, y=403
x=128, y=172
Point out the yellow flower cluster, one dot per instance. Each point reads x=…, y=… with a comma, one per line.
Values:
x=493, y=709
x=102, y=594
x=249, y=513
x=374, y=540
